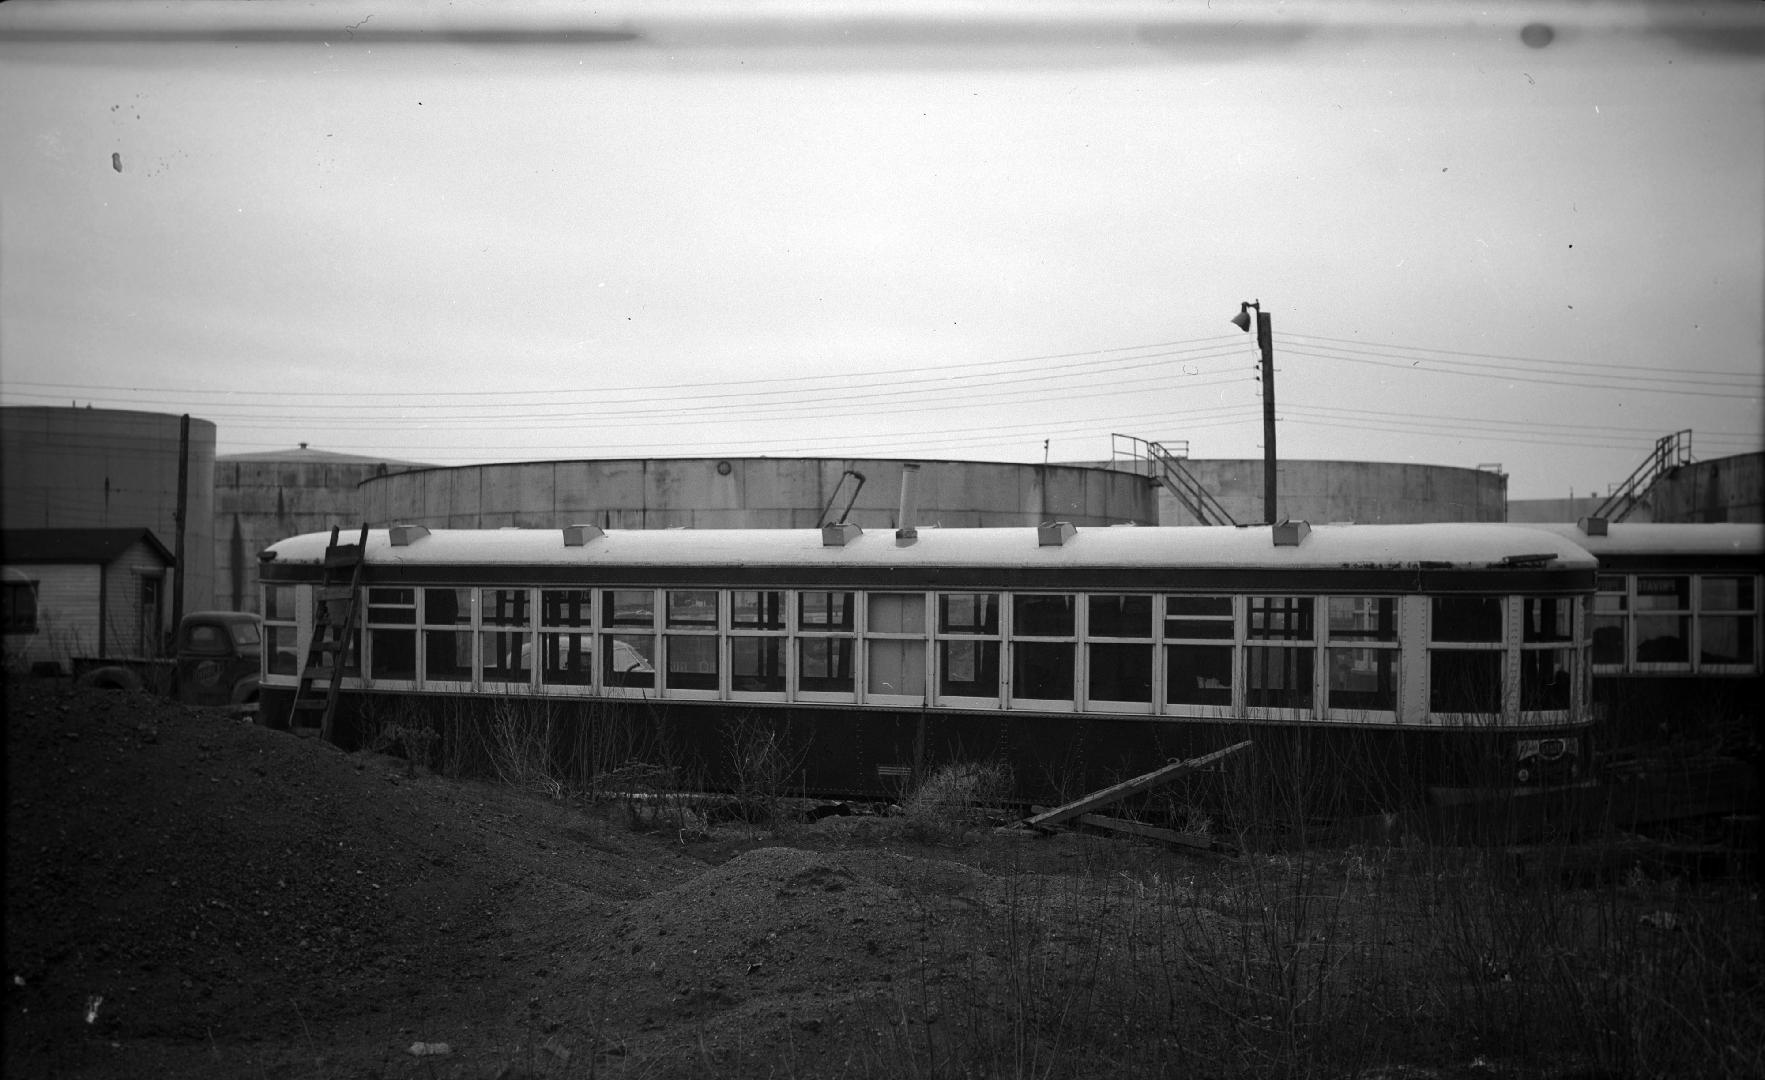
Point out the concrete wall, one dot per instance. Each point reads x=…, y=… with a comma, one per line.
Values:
x=1370, y=492
x=111, y=468
x=260, y=500
x=1723, y=489
x=1522, y=511
x=751, y=493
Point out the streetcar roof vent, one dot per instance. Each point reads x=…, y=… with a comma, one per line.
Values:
x=579, y=535
x=1054, y=533
x=1290, y=533
x=1592, y=526
x=1531, y=559
x=840, y=534
x=405, y=535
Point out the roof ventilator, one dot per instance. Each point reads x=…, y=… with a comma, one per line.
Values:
x=406, y=535
x=1054, y=533
x=1592, y=526
x=908, y=516
x=1291, y=533
x=1532, y=559
x=580, y=535
x=839, y=535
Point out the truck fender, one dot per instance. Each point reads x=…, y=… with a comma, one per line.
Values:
x=110, y=678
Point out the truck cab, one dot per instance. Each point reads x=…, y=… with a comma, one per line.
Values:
x=219, y=658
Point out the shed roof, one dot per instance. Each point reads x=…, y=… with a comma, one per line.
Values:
x=102, y=546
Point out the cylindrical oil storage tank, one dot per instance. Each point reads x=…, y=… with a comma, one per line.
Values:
x=72, y=468
x=1719, y=489
x=760, y=493
x=1368, y=492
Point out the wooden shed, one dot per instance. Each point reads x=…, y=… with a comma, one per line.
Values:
x=83, y=593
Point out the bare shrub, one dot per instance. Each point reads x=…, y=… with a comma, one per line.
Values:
x=953, y=800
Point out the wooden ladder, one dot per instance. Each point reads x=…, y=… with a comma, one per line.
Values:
x=334, y=621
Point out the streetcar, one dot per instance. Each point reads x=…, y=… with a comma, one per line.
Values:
x=1391, y=662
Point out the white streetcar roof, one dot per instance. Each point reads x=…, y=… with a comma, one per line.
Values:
x=1667, y=539
x=1455, y=545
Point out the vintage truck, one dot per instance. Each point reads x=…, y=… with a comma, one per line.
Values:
x=216, y=660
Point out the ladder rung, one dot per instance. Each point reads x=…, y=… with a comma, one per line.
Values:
x=310, y=704
x=319, y=674
x=332, y=593
x=343, y=555
x=326, y=646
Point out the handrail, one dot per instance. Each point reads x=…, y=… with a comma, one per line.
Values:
x=1164, y=465
x=1670, y=452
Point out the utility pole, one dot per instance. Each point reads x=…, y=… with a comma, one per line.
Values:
x=1265, y=341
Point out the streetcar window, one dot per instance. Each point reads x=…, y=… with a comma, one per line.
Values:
x=825, y=610
x=1128, y=616
x=1119, y=671
x=1544, y=678
x=1279, y=677
x=279, y=603
x=1041, y=669
x=1466, y=618
x=824, y=664
x=694, y=607
x=1609, y=607
x=566, y=607
x=1203, y=617
x=1547, y=618
x=1363, y=658
x=566, y=659
x=756, y=664
x=1363, y=678
x=1362, y=618
x=1465, y=681
x=756, y=610
x=447, y=652
x=629, y=607
x=1663, y=620
x=1725, y=621
x=1280, y=618
x=968, y=668
x=505, y=649
x=757, y=647
x=968, y=613
x=392, y=635
x=1036, y=615
x=1198, y=674
x=896, y=663
x=692, y=662
x=629, y=660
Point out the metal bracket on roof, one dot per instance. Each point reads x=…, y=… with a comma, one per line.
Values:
x=1054, y=533
x=839, y=534
x=1593, y=526
x=1291, y=533
x=578, y=535
x=405, y=535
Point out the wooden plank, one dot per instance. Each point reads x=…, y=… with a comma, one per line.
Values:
x=1118, y=792
x=1154, y=832
x=343, y=555
x=331, y=593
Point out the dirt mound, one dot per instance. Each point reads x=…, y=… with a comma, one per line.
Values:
x=174, y=874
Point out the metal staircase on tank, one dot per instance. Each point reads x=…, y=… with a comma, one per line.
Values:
x=333, y=623
x=1671, y=451
x=1165, y=465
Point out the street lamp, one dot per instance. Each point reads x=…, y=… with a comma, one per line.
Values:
x=1264, y=341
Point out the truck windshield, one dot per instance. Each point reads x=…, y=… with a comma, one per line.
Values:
x=246, y=635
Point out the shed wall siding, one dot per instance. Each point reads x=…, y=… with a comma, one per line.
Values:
x=67, y=616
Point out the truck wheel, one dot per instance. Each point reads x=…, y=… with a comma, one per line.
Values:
x=109, y=678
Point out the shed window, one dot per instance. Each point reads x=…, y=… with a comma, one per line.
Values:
x=18, y=608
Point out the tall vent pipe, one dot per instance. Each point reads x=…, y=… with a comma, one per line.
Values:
x=907, y=520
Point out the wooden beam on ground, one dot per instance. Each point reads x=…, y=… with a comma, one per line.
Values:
x=1154, y=832
x=1118, y=792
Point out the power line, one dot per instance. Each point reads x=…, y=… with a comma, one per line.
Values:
x=1499, y=356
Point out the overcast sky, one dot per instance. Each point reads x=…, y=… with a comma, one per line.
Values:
x=1491, y=234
